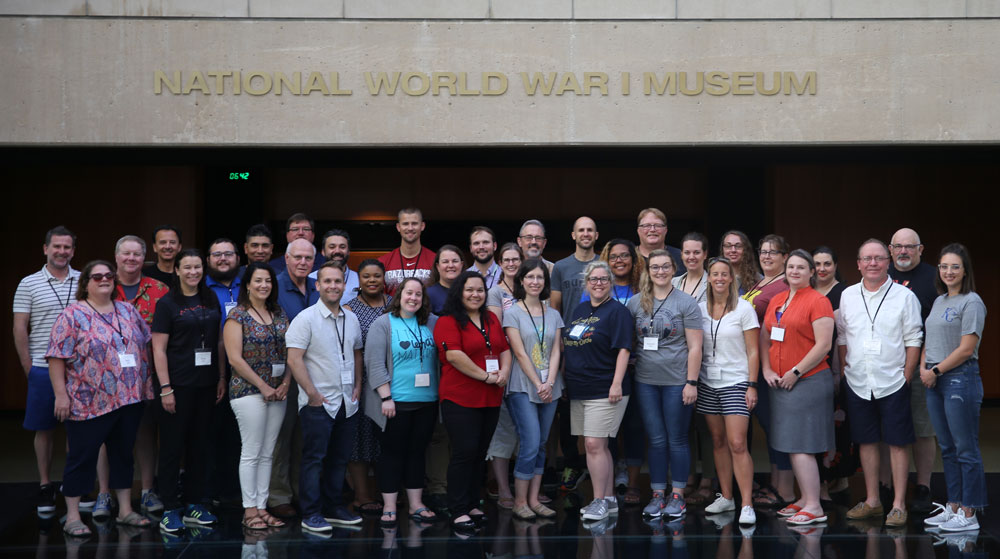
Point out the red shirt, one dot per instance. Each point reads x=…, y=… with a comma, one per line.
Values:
x=150, y=291
x=398, y=268
x=455, y=385
x=806, y=307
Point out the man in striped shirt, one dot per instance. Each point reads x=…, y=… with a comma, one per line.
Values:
x=39, y=299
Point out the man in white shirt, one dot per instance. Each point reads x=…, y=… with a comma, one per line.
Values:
x=324, y=356
x=879, y=339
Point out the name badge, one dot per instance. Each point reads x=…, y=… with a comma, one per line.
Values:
x=229, y=306
x=777, y=334
x=544, y=373
x=202, y=357
x=126, y=360
x=277, y=370
x=650, y=343
x=347, y=375
x=577, y=331
x=873, y=347
x=421, y=380
x=492, y=364
x=713, y=372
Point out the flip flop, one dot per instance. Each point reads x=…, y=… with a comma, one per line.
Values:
x=788, y=511
x=133, y=519
x=810, y=518
x=76, y=529
x=418, y=516
x=768, y=497
x=391, y=523
x=254, y=523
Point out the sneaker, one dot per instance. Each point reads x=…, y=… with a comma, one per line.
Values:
x=102, y=509
x=596, y=510
x=720, y=520
x=621, y=476
x=199, y=533
x=943, y=515
x=960, y=523
x=612, y=505
x=896, y=518
x=961, y=540
x=150, y=502
x=748, y=516
x=922, y=503
x=572, y=477
x=721, y=504
x=87, y=502
x=197, y=514
x=599, y=527
x=171, y=522
x=675, y=507
x=316, y=523
x=47, y=498
x=341, y=515
x=655, y=507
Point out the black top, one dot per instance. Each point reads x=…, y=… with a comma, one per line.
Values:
x=920, y=280
x=153, y=272
x=191, y=326
x=591, y=356
x=834, y=297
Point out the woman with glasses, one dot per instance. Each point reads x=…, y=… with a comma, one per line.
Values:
x=668, y=325
x=598, y=341
x=448, y=263
x=99, y=366
x=736, y=247
x=727, y=386
x=694, y=251
x=794, y=341
x=772, y=250
x=949, y=368
x=533, y=330
x=501, y=296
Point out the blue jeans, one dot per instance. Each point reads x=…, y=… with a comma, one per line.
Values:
x=953, y=405
x=532, y=422
x=326, y=447
x=667, y=419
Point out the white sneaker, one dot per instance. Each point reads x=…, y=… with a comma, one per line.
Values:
x=960, y=523
x=721, y=504
x=596, y=510
x=747, y=516
x=943, y=515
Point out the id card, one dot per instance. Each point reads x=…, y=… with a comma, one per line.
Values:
x=126, y=360
x=492, y=364
x=202, y=357
x=576, y=332
x=347, y=375
x=544, y=373
x=420, y=380
x=873, y=347
x=229, y=306
x=277, y=369
x=713, y=372
x=777, y=334
x=650, y=343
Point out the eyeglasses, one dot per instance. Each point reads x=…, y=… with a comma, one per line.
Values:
x=771, y=252
x=130, y=254
x=300, y=229
x=656, y=268
x=100, y=277
x=536, y=238
x=222, y=253
x=906, y=247
x=623, y=257
x=869, y=259
x=653, y=226
x=510, y=260
x=599, y=281
x=732, y=246
x=952, y=267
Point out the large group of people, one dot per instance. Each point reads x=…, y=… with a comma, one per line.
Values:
x=666, y=352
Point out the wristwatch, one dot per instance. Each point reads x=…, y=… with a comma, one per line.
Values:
x=796, y=372
x=752, y=383
x=387, y=398
x=937, y=372
x=693, y=383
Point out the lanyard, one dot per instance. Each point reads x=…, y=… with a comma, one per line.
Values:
x=272, y=326
x=541, y=337
x=684, y=281
x=491, y=277
x=341, y=338
x=418, y=335
x=870, y=317
x=230, y=288
x=750, y=292
x=715, y=333
x=69, y=292
x=618, y=295
x=652, y=317
x=485, y=331
x=117, y=329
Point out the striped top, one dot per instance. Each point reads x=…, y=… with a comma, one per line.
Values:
x=42, y=296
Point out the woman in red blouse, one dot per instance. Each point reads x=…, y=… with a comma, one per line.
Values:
x=795, y=338
x=475, y=365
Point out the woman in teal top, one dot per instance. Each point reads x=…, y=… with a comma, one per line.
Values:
x=402, y=368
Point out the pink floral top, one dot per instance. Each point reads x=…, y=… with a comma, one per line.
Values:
x=90, y=343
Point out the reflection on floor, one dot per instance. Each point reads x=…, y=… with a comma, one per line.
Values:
x=627, y=536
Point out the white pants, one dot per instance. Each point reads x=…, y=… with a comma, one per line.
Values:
x=259, y=423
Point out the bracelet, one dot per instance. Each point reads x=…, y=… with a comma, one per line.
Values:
x=796, y=372
x=693, y=383
x=752, y=384
x=165, y=385
x=162, y=394
x=387, y=398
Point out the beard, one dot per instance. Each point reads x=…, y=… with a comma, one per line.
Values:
x=484, y=260
x=223, y=277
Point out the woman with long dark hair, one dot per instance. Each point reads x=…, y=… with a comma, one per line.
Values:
x=736, y=247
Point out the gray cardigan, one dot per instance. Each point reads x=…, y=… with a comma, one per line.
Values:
x=378, y=364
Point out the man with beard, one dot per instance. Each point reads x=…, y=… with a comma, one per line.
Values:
x=411, y=259
x=532, y=241
x=166, y=245
x=336, y=247
x=141, y=292
x=298, y=226
x=483, y=245
x=907, y=270
x=224, y=280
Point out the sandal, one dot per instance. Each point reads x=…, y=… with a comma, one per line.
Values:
x=805, y=517
x=254, y=523
x=271, y=521
x=632, y=496
x=76, y=529
x=391, y=522
x=418, y=515
x=505, y=503
x=133, y=519
x=790, y=510
x=767, y=497
x=370, y=508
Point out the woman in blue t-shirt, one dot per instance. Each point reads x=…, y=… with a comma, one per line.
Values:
x=402, y=368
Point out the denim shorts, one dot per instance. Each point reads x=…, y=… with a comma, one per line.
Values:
x=39, y=412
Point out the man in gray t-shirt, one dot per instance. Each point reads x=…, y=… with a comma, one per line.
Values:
x=567, y=274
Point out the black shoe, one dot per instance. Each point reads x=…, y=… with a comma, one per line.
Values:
x=438, y=503
x=467, y=527
x=480, y=518
x=922, y=500
x=47, y=498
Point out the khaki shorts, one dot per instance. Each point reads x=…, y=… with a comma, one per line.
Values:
x=922, y=426
x=596, y=418
x=504, y=441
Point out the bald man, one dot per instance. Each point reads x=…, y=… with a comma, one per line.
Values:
x=907, y=269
